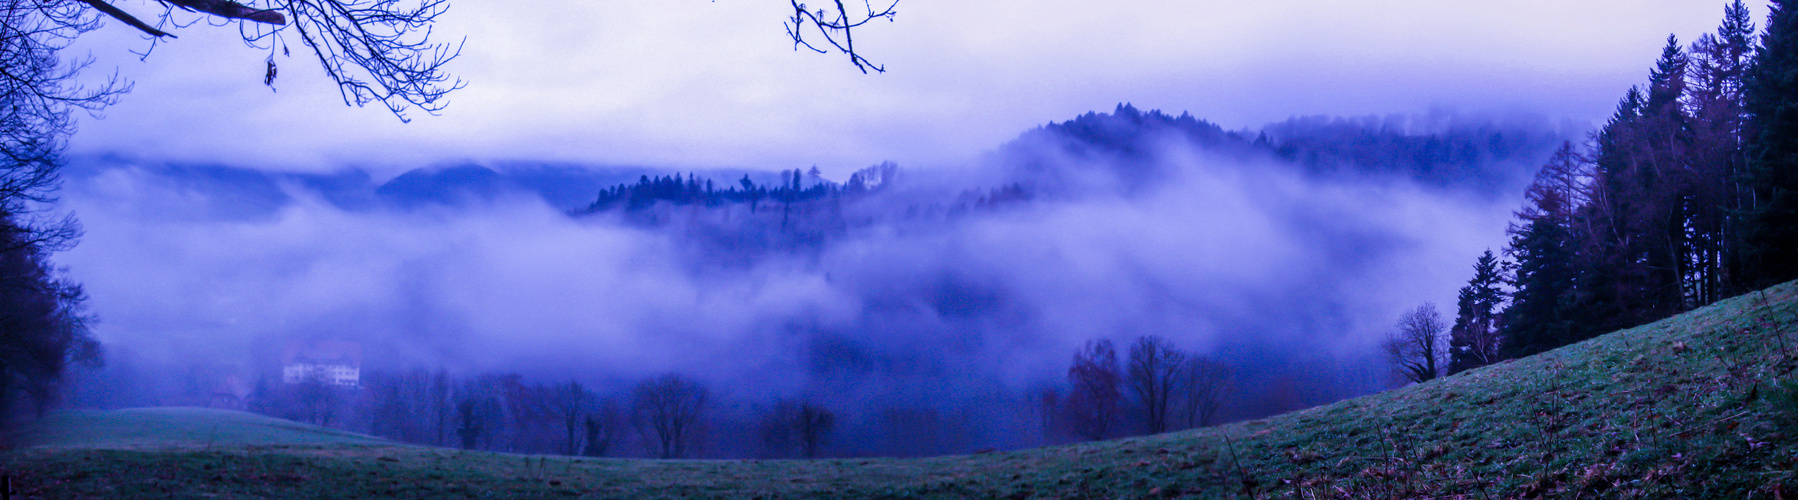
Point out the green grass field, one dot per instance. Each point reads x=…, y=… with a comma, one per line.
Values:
x=179, y=428
x=1702, y=405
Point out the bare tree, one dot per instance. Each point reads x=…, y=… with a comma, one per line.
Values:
x=1046, y=403
x=790, y=424
x=470, y=426
x=442, y=408
x=40, y=95
x=1205, y=382
x=814, y=424
x=602, y=429
x=1417, y=347
x=571, y=400
x=1093, y=403
x=1154, y=370
x=777, y=429
x=668, y=409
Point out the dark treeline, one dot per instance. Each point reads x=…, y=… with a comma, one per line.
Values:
x=1151, y=387
x=667, y=416
x=795, y=186
x=1683, y=198
x=1155, y=388
x=1043, y=163
x=1441, y=151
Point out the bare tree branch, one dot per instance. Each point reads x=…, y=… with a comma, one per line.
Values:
x=837, y=27
x=121, y=15
x=231, y=10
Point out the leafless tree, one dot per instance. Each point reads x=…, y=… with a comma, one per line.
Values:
x=836, y=24
x=1204, y=382
x=814, y=424
x=442, y=408
x=470, y=426
x=1093, y=404
x=570, y=402
x=777, y=429
x=1154, y=370
x=1417, y=347
x=40, y=96
x=602, y=429
x=1046, y=404
x=668, y=410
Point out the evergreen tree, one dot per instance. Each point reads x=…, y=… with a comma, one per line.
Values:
x=1771, y=98
x=1607, y=277
x=1539, y=315
x=1474, y=340
x=1657, y=180
x=1718, y=164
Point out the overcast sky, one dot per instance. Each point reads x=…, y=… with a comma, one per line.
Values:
x=697, y=83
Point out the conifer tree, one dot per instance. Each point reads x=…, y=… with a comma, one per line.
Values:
x=1474, y=340
x=1539, y=316
x=1718, y=164
x=1771, y=98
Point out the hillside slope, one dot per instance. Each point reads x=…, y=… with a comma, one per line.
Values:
x=180, y=427
x=1702, y=405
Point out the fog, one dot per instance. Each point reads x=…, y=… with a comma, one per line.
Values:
x=1289, y=275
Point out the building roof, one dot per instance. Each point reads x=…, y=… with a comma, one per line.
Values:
x=322, y=352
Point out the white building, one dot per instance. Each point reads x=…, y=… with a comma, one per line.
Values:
x=335, y=362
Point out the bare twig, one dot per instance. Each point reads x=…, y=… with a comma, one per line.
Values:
x=837, y=27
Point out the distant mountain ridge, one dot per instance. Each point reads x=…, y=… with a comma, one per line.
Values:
x=234, y=191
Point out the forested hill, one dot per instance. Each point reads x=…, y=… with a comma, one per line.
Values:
x=1137, y=150
x=1445, y=151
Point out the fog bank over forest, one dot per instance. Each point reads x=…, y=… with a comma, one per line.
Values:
x=1286, y=252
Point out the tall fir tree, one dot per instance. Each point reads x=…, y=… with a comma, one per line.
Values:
x=1540, y=316
x=1718, y=165
x=1607, y=277
x=1771, y=98
x=1474, y=341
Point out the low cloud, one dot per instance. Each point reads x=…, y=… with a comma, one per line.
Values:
x=1292, y=277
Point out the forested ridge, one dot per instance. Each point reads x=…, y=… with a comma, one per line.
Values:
x=1136, y=146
